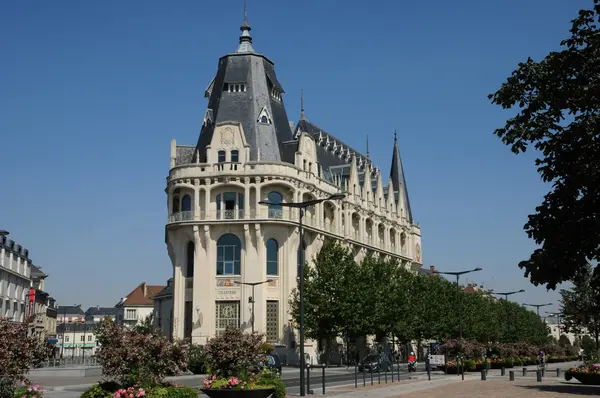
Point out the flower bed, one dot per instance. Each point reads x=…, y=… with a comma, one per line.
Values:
x=232, y=359
x=586, y=374
x=114, y=390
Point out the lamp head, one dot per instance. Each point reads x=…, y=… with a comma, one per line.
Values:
x=478, y=269
x=337, y=196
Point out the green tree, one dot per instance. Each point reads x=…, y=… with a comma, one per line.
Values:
x=580, y=305
x=329, y=285
x=559, y=114
x=483, y=317
x=564, y=341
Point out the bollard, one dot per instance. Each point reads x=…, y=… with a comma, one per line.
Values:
x=483, y=375
x=539, y=376
x=323, y=380
x=502, y=371
x=511, y=375
x=308, y=380
x=543, y=372
x=398, y=370
x=379, y=374
x=364, y=377
x=557, y=372
x=386, y=370
x=524, y=371
x=371, y=376
x=392, y=371
x=355, y=376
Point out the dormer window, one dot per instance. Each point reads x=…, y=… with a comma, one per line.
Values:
x=264, y=117
x=234, y=87
x=235, y=156
x=221, y=156
x=276, y=94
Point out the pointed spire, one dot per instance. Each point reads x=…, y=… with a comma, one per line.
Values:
x=245, y=39
x=368, y=154
x=399, y=181
x=302, y=117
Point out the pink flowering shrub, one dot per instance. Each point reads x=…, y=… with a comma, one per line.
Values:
x=233, y=352
x=20, y=350
x=27, y=390
x=130, y=392
x=128, y=356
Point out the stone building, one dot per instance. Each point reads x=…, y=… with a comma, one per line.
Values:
x=218, y=235
x=15, y=280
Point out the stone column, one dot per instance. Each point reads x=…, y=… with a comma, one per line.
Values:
x=197, y=200
x=178, y=291
x=201, y=297
x=207, y=207
x=247, y=208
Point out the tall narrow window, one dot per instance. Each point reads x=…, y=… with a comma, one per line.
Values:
x=275, y=210
x=273, y=321
x=186, y=203
x=235, y=156
x=229, y=250
x=272, y=257
x=221, y=156
x=190, y=260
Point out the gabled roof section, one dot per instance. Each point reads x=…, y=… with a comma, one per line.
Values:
x=143, y=295
x=399, y=180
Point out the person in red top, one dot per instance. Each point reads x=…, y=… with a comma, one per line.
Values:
x=412, y=357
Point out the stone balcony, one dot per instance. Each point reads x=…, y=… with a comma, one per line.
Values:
x=288, y=215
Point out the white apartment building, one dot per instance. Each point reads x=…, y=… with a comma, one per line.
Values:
x=15, y=280
x=219, y=238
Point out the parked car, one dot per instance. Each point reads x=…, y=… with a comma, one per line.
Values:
x=272, y=362
x=375, y=363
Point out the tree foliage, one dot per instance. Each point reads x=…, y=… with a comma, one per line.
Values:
x=559, y=114
x=580, y=305
x=380, y=297
x=20, y=350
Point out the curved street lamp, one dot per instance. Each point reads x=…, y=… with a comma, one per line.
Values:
x=252, y=300
x=537, y=306
x=457, y=274
x=506, y=294
x=3, y=232
x=302, y=206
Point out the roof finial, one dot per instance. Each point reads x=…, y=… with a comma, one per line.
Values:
x=302, y=117
x=245, y=39
x=368, y=154
x=395, y=137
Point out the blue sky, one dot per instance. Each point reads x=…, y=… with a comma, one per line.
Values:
x=92, y=93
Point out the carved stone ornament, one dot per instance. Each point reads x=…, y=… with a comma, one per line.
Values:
x=418, y=252
x=227, y=136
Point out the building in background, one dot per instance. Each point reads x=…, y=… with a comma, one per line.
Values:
x=97, y=313
x=15, y=280
x=221, y=240
x=76, y=340
x=66, y=317
x=163, y=310
x=44, y=306
x=137, y=305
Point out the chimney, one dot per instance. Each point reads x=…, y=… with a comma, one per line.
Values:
x=144, y=289
x=432, y=269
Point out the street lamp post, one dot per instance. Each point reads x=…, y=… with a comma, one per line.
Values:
x=537, y=306
x=302, y=206
x=506, y=294
x=252, y=300
x=457, y=275
x=4, y=232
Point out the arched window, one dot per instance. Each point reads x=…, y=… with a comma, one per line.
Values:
x=189, y=273
x=221, y=156
x=186, y=203
x=229, y=252
x=272, y=257
x=235, y=156
x=175, y=204
x=276, y=210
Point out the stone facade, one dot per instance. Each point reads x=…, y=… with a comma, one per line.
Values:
x=220, y=239
x=15, y=280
